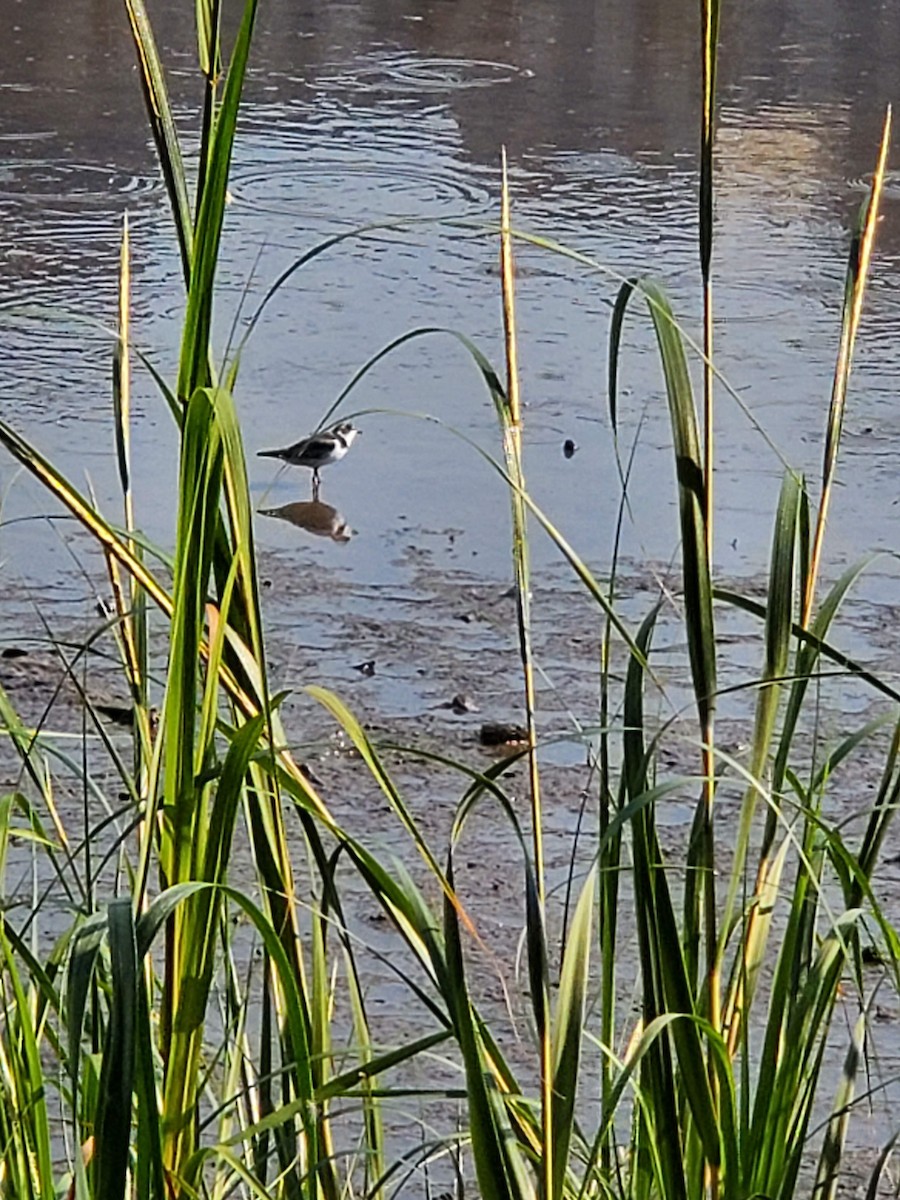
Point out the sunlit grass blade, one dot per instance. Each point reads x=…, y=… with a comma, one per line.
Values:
x=691, y=484
x=371, y=758
x=511, y=429
x=854, y=291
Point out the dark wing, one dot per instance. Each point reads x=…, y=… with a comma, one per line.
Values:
x=313, y=450
x=291, y=454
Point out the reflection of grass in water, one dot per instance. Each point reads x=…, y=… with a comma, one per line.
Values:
x=182, y=1061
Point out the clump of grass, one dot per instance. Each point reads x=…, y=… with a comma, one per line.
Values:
x=181, y=1068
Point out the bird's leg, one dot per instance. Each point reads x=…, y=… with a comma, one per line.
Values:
x=315, y=484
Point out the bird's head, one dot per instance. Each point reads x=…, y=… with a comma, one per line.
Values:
x=346, y=431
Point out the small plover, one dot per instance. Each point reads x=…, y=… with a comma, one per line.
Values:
x=317, y=451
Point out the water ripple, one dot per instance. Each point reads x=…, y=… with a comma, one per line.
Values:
x=52, y=183
x=408, y=73
x=357, y=188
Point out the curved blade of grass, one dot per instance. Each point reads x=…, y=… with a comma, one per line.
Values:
x=370, y=757
x=813, y=643
x=691, y=486
x=85, y=948
x=698, y=610
x=162, y=125
x=498, y=396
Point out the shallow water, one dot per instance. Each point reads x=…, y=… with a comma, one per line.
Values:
x=390, y=115
x=364, y=113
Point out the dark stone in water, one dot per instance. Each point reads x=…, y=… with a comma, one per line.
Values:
x=502, y=733
x=119, y=714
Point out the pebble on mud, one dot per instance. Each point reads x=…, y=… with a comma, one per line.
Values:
x=460, y=704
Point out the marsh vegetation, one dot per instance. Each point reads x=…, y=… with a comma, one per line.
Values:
x=189, y=994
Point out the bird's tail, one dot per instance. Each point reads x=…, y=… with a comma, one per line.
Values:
x=270, y=454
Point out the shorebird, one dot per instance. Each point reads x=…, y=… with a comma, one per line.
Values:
x=317, y=451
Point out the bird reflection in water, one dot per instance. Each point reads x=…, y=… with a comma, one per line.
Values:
x=315, y=517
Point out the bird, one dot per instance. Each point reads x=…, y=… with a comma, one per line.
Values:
x=318, y=450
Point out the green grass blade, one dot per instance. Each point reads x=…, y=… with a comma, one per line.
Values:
x=568, y=1029
x=501, y=1174
x=780, y=607
x=193, y=369
x=536, y=946
x=26, y=1092
x=709, y=10
x=828, y=1174
x=689, y=471
x=112, y=1132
